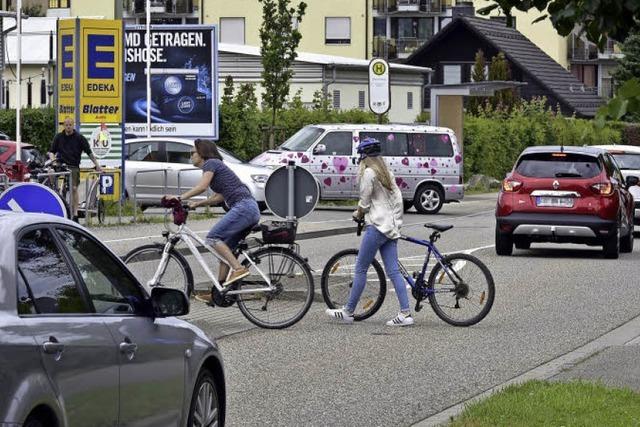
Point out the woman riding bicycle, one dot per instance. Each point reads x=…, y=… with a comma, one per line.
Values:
x=243, y=209
x=381, y=206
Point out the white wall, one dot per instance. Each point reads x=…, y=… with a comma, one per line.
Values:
x=29, y=70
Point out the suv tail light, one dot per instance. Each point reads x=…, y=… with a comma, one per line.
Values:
x=604, y=188
x=511, y=186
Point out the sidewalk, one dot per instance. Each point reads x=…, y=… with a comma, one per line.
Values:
x=611, y=359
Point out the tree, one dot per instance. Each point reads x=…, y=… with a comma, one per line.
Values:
x=600, y=19
x=629, y=65
x=279, y=41
x=478, y=74
x=499, y=70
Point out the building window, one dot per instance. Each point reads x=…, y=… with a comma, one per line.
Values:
x=361, y=100
x=29, y=93
x=43, y=92
x=337, y=30
x=232, y=30
x=451, y=74
x=59, y=4
x=336, y=99
x=409, y=100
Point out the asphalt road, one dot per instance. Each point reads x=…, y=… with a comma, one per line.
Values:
x=550, y=300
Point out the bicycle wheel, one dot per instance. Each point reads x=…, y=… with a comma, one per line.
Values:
x=144, y=261
x=291, y=299
x=337, y=281
x=462, y=294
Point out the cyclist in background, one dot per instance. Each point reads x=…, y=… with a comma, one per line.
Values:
x=381, y=206
x=68, y=146
x=243, y=208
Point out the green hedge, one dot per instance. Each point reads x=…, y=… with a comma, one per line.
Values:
x=494, y=139
x=38, y=126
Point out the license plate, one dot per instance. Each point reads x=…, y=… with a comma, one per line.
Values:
x=554, y=202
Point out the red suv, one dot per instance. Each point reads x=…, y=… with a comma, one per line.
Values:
x=565, y=195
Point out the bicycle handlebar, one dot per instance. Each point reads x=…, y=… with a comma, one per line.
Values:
x=360, y=226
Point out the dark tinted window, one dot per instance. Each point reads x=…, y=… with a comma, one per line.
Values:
x=558, y=165
x=303, y=139
x=179, y=153
x=338, y=143
x=145, y=152
x=110, y=287
x=47, y=274
x=391, y=143
x=430, y=145
x=25, y=300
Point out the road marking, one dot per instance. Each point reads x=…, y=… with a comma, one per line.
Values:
x=14, y=206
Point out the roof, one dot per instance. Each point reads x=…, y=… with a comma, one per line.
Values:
x=315, y=58
x=35, y=40
x=383, y=127
x=615, y=148
x=527, y=56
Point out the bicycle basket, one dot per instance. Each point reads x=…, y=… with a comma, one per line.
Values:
x=279, y=232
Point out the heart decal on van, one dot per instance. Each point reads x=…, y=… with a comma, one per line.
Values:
x=405, y=161
x=340, y=163
x=327, y=182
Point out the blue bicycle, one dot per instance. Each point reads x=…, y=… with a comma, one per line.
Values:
x=460, y=287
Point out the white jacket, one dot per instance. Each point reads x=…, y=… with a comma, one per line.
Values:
x=383, y=208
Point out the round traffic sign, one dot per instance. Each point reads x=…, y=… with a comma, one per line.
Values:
x=32, y=197
x=306, y=192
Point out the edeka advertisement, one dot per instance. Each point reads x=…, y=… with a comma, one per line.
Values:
x=66, y=76
x=101, y=68
x=184, y=78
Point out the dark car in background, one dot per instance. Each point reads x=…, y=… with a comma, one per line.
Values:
x=565, y=195
x=29, y=153
x=83, y=343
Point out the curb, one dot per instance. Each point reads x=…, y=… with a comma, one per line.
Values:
x=623, y=334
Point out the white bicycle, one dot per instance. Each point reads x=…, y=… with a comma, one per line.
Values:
x=277, y=293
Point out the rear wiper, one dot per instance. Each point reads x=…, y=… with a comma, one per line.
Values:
x=568, y=175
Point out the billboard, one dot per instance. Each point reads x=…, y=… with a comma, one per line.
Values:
x=89, y=80
x=184, y=80
x=101, y=71
x=66, y=75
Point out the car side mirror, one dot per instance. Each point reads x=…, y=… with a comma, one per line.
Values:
x=167, y=302
x=320, y=149
x=632, y=181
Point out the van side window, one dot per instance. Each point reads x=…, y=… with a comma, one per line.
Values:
x=392, y=143
x=430, y=145
x=337, y=143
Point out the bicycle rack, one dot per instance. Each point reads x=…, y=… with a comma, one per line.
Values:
x=91, y=197
x=135, y=186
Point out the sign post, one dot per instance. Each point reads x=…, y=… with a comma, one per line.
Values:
x=379, y=88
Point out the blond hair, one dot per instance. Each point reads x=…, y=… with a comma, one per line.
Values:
x=380, y=168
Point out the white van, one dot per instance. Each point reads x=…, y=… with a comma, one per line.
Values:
x=426, y=160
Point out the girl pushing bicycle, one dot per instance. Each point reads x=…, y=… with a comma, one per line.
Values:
x=243, y=209
x=381, y=206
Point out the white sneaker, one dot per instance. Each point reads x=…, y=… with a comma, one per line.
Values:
x=340, y=314
x=401, y=320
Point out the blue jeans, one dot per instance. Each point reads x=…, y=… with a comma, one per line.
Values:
x=373, y=241
x=229, y=229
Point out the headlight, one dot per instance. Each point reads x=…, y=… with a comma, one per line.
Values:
x=273, y=167
x=260, y=179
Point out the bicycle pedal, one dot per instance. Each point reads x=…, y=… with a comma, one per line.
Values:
x=418, y=307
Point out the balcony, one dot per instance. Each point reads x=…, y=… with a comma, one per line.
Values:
x=59, y=8
x=580, y=49
x=181, y=7
x=395, y=48
x=384, y=7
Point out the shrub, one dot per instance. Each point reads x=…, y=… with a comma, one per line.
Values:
x=38, y=126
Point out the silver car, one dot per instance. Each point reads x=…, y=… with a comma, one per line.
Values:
x=82, y=343
x=148, y=157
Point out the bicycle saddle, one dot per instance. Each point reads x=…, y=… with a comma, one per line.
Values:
x=440, y=228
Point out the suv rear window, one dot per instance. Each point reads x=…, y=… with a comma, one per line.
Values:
x=558, y=165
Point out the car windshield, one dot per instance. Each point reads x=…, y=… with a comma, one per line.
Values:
x=302, y=140
x=29, y=154
x=558, y=165
x=627, y=161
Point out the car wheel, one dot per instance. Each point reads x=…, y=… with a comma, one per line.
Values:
x=428, y=199
x=611, y=246
x=626, y=243
x=205, y=406
x=407, y=204
x=522, y=243
x=504, y=243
